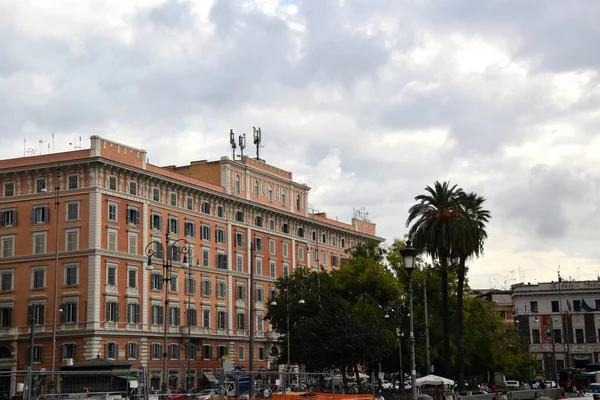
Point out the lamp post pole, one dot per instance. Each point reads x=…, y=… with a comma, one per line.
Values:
x=167, y=264
x=52, y=384
x=408, y=256
x=251, y=333
x=189, y=341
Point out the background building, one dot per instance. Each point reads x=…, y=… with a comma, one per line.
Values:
x=112, y=203
x=568, y=312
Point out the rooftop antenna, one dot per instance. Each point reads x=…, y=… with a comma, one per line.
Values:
x=242, y=144
x=257, y=138
x=232, y=142
x=53, y=149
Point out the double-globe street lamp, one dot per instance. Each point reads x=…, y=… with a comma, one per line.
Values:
x=173, y=253
x=409, y=254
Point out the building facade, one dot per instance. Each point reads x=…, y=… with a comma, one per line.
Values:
x=74, y=231
x=559, y=320
x=500, y=300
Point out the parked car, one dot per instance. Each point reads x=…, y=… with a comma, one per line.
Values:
x=512, y=383
x=386, y=385
x=550, y=384
x=176, y=395
x=592, y=391
x=205, y=394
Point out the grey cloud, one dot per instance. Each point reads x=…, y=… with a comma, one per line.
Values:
x=174, y=14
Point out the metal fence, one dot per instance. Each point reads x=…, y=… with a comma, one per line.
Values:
x=135, y=385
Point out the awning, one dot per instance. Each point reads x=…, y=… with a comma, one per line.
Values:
x=209, y=375
x=129, y=377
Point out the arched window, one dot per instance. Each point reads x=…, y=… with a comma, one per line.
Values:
x=256, y=189
x=283, y=197
x=270, y=193
x=314, y=236
x=323, y=238
x=237, y=183
x=298, y=202
x=300, y=232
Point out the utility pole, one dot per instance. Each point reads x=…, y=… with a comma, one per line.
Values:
x=427, y=359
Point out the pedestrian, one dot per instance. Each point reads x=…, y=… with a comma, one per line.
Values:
x=379, y=396
x=504, y=396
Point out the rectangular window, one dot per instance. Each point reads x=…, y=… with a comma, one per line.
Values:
x=73, y=181
x=173, y=283
x=259, y=265
x=6, y=317
x=7, y=281
x=240, y=292
x=555, y=306
x=221, y=320
x=272, y=246
x=241, y=321
x=273, y=268
x=173, y=198
x=222, y=351
x=173, y=225
x=40, y=185
x=112, y=240
x=38, y=354
x=9, y=218
x=174, y=316
x=239, y=262
x=156, y=194
x=112, y=212
x=577, y=305
x=157, y=315
x=133, y=314
x=71, y=276
x=189, y=202
x=132, y=351
x=68, y=315
x=533, y=306
x=132, y=238
x=261, y=353
x=73, y=240
x=579, y=336
x=206, y=352
x=111, y=276
x=9, y=189
x=221, y=261
x=111, y=311
x=191, y=317
x=205, y=232
x=190, y=229
x=39, y=215
x=39, y=243
x=240, y=352
x=72, y=211
x=220, y=234
x=111, y=350
x=39, y=279
x=272, y=224
x=156, y=351
x=132, y=278
x=206, y=318
x=221, y=289
x=285, y=249
x=68, y=350
x=156, y=222
x=286, y=269
x=324, y=257
x=112, y=182
x=38, y=312
x=174, y=352
x=205, y=257
x=8, y=246
x=205, y=207
x=239, y=239
x=334, y=260
x=206, y=288
x=260, y=294
x=259, y=244
x=133, y=216
x=259, y=323
x=133, y=188
x=557, y=336
x=220, y=211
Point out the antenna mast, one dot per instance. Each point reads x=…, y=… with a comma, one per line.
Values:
x=232, y=142
x=257, y=140
x=242, y=144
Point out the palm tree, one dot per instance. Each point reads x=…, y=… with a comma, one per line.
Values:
x=438, y=226
x=474, y=219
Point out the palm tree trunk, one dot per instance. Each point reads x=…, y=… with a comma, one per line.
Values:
x=460, y=365
x=445, y=315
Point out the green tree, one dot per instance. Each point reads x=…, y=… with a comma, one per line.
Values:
x=475, y=218
x=436, y=228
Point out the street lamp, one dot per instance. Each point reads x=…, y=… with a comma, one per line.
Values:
x=189, y=275
x=409, y=254
x=172, y=254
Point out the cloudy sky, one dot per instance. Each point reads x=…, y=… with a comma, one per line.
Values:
x=366, y=101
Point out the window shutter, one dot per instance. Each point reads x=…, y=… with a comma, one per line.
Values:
x=187, y=285
x=193, y=230
x=116, y=351
x=160, y=222
x=117, y=312
x=42, y=316
x=33, y=215
x=9, y=316
x=62, y=315
x=75, y=319
x=74, y=352
x=106, y=355
x=137, y=313
x=2, y=216
x=178, y=316
x=61, y=352
x=137, y=217
x=161, y=315
x=106, y=311
x=46, y=214
x=128, y=215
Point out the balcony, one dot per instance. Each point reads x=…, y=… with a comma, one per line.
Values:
x=194, y=330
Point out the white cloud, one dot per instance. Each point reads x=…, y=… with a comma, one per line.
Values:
x=366, y=102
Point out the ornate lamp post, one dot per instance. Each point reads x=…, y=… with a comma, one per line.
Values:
x=408, y=256
x=172, y=254
x=400, y=334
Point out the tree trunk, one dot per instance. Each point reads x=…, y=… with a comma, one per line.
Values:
x=460, y=365
x=445, y=315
